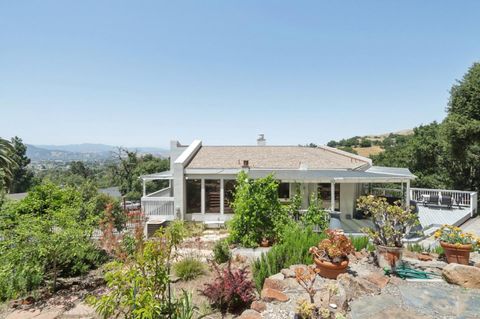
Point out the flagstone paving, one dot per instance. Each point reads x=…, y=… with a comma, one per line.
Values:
x=415, y=300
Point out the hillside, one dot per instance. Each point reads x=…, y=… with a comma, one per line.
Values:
x=369, y=145
x=82, y=152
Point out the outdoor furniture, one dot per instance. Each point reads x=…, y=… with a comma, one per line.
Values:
x=446, y=201
x=431, y=200
x=218, y=223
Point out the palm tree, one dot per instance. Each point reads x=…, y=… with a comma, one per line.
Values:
x=6, y=159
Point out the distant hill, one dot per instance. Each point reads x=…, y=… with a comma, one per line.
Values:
x=82, y=152
x=369, y=145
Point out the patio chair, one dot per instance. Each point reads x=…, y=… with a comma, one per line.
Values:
x=446, y=201
x=432, y=199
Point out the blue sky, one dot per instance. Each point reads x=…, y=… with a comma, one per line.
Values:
x=140, y=73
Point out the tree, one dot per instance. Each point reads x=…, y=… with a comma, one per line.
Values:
x=462, y=131
x=131, y=166
x=79, y=168
x=22, y=177
x=7, y=162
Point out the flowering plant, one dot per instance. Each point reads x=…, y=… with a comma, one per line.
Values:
x=335, y=248
x=454, y=235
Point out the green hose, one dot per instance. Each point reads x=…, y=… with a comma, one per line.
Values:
x=406, y=272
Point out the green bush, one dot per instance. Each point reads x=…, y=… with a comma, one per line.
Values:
x=44, y=236
x=417, y=248
x=258, y=212
x=189, y=268
x=316, y=216
x=221, y=252
x=359, y=243
x=292, y=250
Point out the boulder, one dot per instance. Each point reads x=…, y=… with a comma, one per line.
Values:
x=288, y=273
x=250, y=314
x=424, y=257
x=462, y=275
x=275, y=282
x=434, y=266
x=355, y=287
x=258, y=306
x=270, y=295
x=377, y=278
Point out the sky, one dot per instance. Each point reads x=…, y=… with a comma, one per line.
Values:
x=142, y=73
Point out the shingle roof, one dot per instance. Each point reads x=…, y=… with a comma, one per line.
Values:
x=276, y=157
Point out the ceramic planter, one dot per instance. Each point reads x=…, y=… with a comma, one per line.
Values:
x=330, y=270
x=389, y=257
x=457, y=253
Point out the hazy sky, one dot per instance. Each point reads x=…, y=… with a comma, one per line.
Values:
x=140, y=73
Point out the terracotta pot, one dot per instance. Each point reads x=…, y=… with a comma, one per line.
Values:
x=330, y=270
x=265, y=243
x=389, y=257
x=459, y=254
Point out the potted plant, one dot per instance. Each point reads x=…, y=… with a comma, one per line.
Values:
x=456, y=244
x=391, y=223
x=331, y=254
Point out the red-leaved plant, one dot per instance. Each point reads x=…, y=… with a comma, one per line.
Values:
x=231, y=290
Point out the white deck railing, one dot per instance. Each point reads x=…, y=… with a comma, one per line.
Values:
x=159, y=206
x=461, y=198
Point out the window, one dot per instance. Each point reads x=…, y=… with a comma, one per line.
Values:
x=194, y=196
x=324, y=193
x=284, y=190
x=212, y=196
x=228, y=191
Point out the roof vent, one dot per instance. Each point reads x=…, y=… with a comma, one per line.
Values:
x=261, y=141
x=245, y=164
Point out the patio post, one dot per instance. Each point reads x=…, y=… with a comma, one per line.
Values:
x=334, y=216
x=144, y=187
x=202, y=196
x=407, y=195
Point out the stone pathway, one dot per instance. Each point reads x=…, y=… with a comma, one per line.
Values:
x=419, y=300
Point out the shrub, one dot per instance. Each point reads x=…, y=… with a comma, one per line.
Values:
x=292, y=250
x=391, y=222
x=139, y=287
x=44, y=236
x=231, y=289
x=221, y=252
x=417, y=248
x=316, y=216
x=257, y=211
x=188, y=268
x=360, y=242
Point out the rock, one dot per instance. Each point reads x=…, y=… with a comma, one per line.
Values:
x=377, y=278
x=293, y=267
x=462, y=275
x=258, y=306
x=81, y=310
x=269, y=295
x=434, y=266
x=477, y=265
x=288, y=273
x=409, y=254
x=366, y=307
x=250, y=314
x=291, y=284
x=274, y=284
x=424, y=257
x=49, y=314
x=356, y=287
x=23, y=314
x=278, y=276
x=359, y=255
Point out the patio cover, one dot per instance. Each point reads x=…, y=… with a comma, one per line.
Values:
x=157, y=176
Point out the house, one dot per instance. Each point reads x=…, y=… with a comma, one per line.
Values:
x=202, y=180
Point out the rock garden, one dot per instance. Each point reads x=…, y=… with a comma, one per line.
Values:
x=187, y=272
